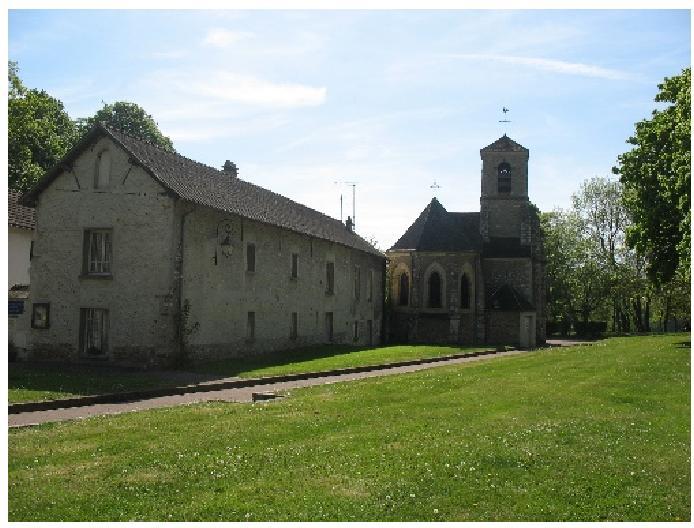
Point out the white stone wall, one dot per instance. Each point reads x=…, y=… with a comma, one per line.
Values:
x=19, y=246
x=141, y=216
x=222, y=294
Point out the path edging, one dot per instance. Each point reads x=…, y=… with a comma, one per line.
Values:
x=120, y=397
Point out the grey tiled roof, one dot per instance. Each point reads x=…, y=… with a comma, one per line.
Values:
x=19, y=215
x=438, y=230
x=204, y=185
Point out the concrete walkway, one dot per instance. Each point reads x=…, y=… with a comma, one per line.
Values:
x=244, y=394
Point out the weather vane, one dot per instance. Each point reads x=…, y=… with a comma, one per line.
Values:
x=504, y=120
x=434, y=186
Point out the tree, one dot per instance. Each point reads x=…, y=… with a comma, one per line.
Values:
x=577, y=283
x=39, y=132
x=131, y=119
x=656, y=176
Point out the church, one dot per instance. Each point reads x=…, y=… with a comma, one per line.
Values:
x=477, y=277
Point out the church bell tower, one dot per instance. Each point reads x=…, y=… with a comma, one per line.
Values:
x=504, y=203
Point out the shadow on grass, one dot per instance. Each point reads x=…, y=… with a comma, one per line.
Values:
x=46, y=380
x=234, y=366
x=42, y=380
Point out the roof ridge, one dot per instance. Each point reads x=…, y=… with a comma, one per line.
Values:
x=110, y=128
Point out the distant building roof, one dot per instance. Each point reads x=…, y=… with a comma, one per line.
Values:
x=204, y=185
x=438, y=230
x=20, y=215
x=507, y=299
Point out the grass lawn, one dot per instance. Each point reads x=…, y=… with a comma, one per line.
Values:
x=580, y=434
x=35, y=383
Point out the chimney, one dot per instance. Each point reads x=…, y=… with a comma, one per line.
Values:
x=231, y=168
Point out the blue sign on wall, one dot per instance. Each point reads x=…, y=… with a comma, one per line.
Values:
x=16, y=307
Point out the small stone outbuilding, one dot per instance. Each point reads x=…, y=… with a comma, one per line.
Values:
x=143, y=256
x=474, y=278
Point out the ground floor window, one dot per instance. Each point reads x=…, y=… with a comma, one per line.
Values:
x=293, y=329
x=329, y=326
x=93, y=331
x=250, y=326
x=355, y=331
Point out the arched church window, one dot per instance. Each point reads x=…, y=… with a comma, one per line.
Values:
x=504, y=180
x=404, y=298
x=435, y=290
x=103, y=170
x=464, y=292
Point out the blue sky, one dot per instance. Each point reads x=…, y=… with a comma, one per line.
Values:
x=393, y=100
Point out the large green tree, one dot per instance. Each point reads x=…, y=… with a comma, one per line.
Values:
x=131, y=119
x=656, y=175
x=39, y=132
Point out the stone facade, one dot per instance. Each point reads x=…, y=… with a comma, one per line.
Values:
x=487, y=269
x=166, y=253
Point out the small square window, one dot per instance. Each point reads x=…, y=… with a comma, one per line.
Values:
x=40, y=315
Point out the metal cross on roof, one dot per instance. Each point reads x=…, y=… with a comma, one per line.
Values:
x=434, y=186
x=504, y=120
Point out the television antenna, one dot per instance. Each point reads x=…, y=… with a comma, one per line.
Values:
x=353, y=184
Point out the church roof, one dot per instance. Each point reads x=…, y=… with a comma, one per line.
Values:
x=438, y=230
x=508, y=299
x=504, y=144
x=207, y=186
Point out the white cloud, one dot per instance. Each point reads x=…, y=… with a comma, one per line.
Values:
x=223, y=38
x=251, y=90
x=169, y=54
x=229, y=87
x=552, y=65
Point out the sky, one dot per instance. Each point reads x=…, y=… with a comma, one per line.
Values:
x=304, y=101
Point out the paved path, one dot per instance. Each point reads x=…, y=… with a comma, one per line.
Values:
x=244, y=394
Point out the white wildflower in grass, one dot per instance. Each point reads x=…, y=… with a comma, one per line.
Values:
x=436, y=510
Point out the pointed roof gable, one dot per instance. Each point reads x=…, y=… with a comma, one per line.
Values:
x=207, y=186
x=504, y=144
x=506, y=298
x=438, y=230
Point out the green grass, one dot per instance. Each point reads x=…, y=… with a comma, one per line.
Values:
x=581, y=434
x=40, y=382
x=317, y=359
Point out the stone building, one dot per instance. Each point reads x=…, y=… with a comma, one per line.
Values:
x=474, y=278
x=142, y=256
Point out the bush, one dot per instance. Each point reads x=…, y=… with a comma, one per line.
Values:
x=590, y=328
